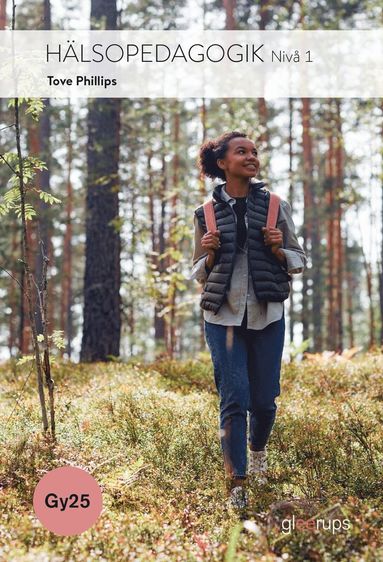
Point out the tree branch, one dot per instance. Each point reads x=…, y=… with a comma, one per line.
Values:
x=13, y=277
x=9, y=166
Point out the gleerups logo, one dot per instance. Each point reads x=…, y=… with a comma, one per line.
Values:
x=314, y=524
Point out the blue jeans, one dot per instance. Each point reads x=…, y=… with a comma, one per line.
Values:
x=247, y=365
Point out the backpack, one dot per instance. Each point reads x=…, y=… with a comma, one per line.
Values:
x=272, y=214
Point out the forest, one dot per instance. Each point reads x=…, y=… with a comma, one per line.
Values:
x=97, y=198
x=120, y=241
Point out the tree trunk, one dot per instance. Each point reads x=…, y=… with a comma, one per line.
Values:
x=32, y=250
x=159, y=321
x=202, y=187
x=172, y=235
x=264, y=139
x=331, y=272
x=311, y=228
x=202, y=190
x=307, y=208
x=371, y=304
x=291, y=199
x=368, y=271
x=229, y=6
x=28, y=277
x=334, y=172
x=44, y=209
x=265, y=13
x=159, y=328
x=3, y=13
x=66, y=321
x=12, y=325
x=102, y=301
x=381, y=242
x=339, y=159
x=350, y=288
x=132, y=253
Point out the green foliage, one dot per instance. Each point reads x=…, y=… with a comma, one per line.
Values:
x=12, y=202
x=47, y=197
x=34, y=106
x=117, y=224
x=25, y=359
x=12, y=198
x=56, y=339
x=230, y=555
x=296, y=350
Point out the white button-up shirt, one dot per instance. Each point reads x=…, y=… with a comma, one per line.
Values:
x=241, y=291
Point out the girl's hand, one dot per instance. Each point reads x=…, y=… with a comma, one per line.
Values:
x=273, y=237
x=210, y=241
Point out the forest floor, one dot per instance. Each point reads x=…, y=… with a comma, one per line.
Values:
x=149, y=435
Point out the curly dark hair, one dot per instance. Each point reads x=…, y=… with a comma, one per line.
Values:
x=213, y=150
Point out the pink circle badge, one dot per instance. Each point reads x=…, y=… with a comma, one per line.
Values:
x=67, y=500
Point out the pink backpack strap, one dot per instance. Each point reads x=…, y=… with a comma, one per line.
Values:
x=272, y=215
x=208, y=210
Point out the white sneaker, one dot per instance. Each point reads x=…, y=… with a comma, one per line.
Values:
x=257, y=465
x=238, y=498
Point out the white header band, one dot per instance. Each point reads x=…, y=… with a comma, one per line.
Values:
x=191, y=64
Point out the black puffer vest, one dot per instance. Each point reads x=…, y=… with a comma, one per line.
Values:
x=269, y=276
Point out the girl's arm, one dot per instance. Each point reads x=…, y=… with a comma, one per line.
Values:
x=199, y=270
x=296, y=259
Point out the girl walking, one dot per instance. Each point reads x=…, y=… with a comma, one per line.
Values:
x=244, y=269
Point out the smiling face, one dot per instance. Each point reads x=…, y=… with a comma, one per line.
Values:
x=240, y=160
